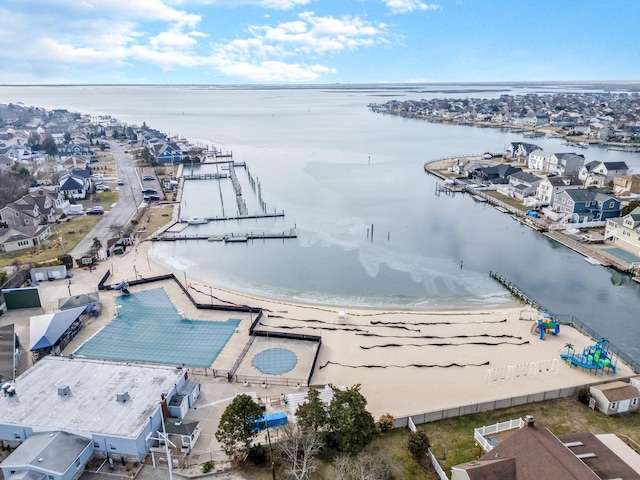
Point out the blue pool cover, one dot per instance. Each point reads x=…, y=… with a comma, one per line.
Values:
x=150, y=329
x=275, y=361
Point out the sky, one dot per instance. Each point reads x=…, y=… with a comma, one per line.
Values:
x=317, y=41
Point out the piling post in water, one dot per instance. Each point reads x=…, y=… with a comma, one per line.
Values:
x=372, y=232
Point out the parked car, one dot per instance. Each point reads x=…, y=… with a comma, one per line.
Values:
x=120, y=181
x=148, y=177
x=151, y=198
x=97, y=176
x=103, y=188
x=95, y=211
x=149, y=191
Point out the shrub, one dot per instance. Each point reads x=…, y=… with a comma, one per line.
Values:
x=418, y=444
x=385, y=422
x=207, y=466
x=257, y=455
x=584, y=395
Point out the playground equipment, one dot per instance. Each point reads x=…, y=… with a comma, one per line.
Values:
x=123, y=287
x=546, y=324
x=596, y=357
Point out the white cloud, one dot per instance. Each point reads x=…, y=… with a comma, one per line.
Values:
x=283, y=4
x=408, y=6
x=273, y=71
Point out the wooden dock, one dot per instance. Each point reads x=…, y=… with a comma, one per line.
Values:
x=227, y=238
x=515, y=290
x=206, y=176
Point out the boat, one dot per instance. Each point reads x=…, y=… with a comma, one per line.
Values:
x=196, y=221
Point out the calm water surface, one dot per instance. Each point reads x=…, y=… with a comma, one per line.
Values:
x=336, y=169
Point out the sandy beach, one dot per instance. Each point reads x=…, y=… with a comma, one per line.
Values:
x=408, y=362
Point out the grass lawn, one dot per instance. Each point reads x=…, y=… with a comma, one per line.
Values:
x=73, y=229
x=452, y=439
x=515, y=203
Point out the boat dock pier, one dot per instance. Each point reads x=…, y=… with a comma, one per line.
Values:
x=205, y=176
x=227, y=238
x=515, y=290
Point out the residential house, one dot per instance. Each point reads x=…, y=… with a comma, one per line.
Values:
x=534, y=452
x=496, y=174
x=519, y=151
x=6, y=163
x=20, y=238
x=74, y=149
x=565, y=164
x=166, y=154
x=539, y=160
x=586, y=205
x=75, y=184
x=625, y=231
x=521, y=185
x=601, y=173
x=626, y=184
x=465, y=167
x=24, y=212
x=615, y=397
x=50, y=455
x=549, y=186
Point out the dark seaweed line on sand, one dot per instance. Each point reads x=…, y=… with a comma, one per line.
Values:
x=387, y=345
x=416, y=365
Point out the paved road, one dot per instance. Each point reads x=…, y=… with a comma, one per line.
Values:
x=130, y=198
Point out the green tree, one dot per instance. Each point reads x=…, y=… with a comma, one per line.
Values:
x=67, y=137
x=312, y=415
x=49, y=145
x=351, y=425
x=627, y=209
x=236, y=428
x=418, y=444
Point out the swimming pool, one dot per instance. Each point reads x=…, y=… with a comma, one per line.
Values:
x=149, y=329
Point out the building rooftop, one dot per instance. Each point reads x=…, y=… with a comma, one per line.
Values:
x=91, y=403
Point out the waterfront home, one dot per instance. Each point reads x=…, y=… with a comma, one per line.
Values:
x=625, y=231
x=626, y=184
x=496, y=174
x=615, y=397
x=601, y=173
x=551, y=185
x=519, y=151
x=521, y=185
x=568, y=163
x=166, y=154
x=539, y=160
x=586, y=205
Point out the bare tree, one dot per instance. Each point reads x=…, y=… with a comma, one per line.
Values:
x=299, y=448
x=363, y=466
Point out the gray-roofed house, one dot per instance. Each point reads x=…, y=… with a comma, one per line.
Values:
x=568, y=163
x=615, y=397
x=625, y=231
x=48, y=455
x=519, y=151
x=586, y=205
x=117, y=406
x=496, y=174
x=601, y=173
x=73, y=186
x=524, y=184
x=20, y=238
x=549, y=186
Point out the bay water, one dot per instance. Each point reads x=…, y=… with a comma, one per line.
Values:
x=340, y=172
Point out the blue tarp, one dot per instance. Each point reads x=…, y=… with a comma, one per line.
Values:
x=533, y=213
x=271, y=420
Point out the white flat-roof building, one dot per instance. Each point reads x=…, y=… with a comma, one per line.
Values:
x=116, y=405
